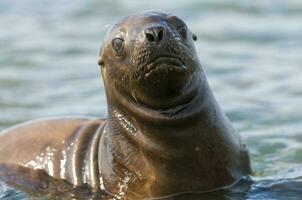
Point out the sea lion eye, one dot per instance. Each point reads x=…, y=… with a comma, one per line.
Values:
x=182, y=31
x=118, y=44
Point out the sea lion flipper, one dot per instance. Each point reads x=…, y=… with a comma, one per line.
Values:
x=29, y=179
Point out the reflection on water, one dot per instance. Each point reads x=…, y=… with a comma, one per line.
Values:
x=251, y=52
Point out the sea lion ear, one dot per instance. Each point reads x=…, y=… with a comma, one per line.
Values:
x=194, y=37
x=101, y=57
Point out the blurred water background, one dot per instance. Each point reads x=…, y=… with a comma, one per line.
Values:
x=250, y=50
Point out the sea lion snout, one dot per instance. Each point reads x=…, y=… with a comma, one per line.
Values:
x=154, y=34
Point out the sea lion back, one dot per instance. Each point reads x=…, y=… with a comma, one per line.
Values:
x=53, y=147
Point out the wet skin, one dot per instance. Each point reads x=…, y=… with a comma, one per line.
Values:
x=165, y=133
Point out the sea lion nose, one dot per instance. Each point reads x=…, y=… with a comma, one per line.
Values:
x=154, y=33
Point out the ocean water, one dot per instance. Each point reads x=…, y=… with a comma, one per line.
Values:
x=251, y=52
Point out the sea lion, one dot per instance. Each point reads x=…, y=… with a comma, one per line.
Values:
x=165, y=133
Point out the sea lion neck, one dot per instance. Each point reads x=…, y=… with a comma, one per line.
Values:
x=147, y=143
x=149, y=116
x=148, y=128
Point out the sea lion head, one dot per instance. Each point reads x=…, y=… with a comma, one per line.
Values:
x=150, y=57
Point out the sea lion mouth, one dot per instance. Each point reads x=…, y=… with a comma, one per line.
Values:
x=165, y=77
x=165, y=64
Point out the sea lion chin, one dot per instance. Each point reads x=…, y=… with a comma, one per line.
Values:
x=165, y=133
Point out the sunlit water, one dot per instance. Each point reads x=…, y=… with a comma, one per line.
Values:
x=250, y=50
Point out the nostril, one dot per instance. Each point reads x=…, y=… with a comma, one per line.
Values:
x=160, y=35
x=150, y=37
x=154, y=34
